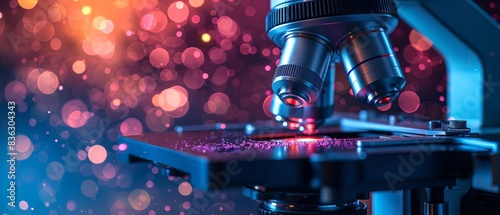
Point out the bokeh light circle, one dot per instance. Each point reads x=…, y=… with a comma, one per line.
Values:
x=409, y=101
x=154, y=21
x=56, y=13
x=23, y=143
x=171, y=99
x=74, y=113
x=71, y=205
x=411, y=54
x=218, y=103
x=217, y=55
x=193, y=79
x=109, y=171
x=423, y=68
x=185, y=188
x=196, y=19
x=196, y=3
x=193, y=57
x=220, y=75
x=55, y=44
x=47, y=82
x=97, y=154
x=139, y=199
x=266, y=106
x=23, y=205
x=226, y=44
x=227, y=27
x=27, y=4
x=147, y=84
x=79, y=66
x=89, y=188
x=24, y=147
x=34, y=20
x=46, y=33
x=124, y=180
x=15, y=91
x=92, y=131
x=136, y=51
x=419, y=42
x=86, y=10
x=82, y=155
x=206, y=37
x=55, y=170
x=131, y=126
x=250, y=11
x=385, y=107
x=159, y=57
x=157, y=120
x=178, y=12
x=168, y=75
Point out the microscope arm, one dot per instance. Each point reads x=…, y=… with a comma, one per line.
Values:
x=469, y=40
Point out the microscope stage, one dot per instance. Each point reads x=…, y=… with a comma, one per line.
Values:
x=232, y=158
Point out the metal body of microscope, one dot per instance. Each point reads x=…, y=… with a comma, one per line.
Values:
x=354, y=33
x=349, y=157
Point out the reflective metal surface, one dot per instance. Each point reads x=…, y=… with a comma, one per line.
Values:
x=309, y=117
x=315, y=33
x=470, y=52
x=281, y=208
x=304, y=62
x=371, y=66
x=255, y=157
x=333, y=167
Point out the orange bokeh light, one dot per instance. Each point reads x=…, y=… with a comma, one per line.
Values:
x=159, y=57
x=97, y=154
x=55, y=44
x=178, y=12
x=227, y=27
x=196, y=3
x=86, y=10
x=419, y=42
x=205, y=37
x=47, y=82
x=27, y=4
x=74, y=113
x=79, y=67
x=56, y=13
x=154, y=21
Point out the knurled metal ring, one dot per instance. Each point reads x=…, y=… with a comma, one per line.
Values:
x=301, y=73
x=324, y=8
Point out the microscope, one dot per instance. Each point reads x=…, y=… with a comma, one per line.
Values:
x=310, y=162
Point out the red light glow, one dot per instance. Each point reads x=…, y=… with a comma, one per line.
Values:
x=292, y=102
x=307, y=139
x=384, y=100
